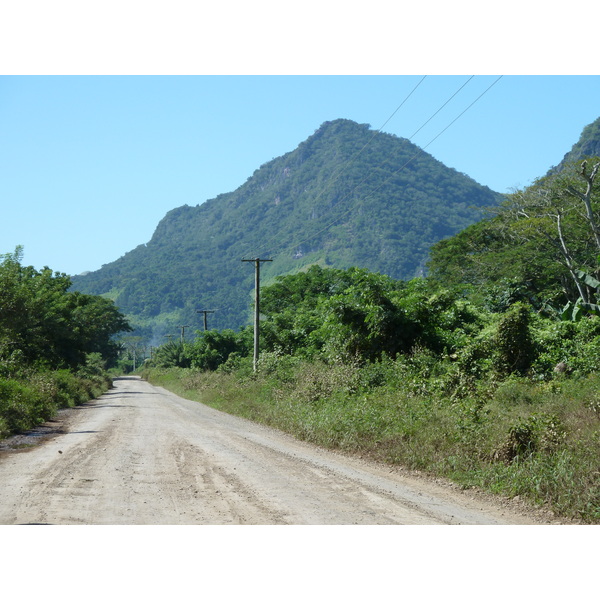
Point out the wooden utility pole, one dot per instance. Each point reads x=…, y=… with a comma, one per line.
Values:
x=183, y=328
x=205, y=313
x=256, y=262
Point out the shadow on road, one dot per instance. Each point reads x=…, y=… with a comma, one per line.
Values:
x=86, y=406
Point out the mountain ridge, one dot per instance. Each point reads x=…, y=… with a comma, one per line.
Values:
x=588, y=144
x=346, y=196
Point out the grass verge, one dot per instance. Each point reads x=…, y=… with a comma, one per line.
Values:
x=29, y=401
x=539, y=441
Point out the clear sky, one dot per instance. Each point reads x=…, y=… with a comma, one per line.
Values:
x=90, y=164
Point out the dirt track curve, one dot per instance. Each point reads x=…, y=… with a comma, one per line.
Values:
x=142, y=455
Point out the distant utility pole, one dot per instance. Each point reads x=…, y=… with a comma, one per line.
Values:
x=205, y=313
x=183, y=328
x=256, y=262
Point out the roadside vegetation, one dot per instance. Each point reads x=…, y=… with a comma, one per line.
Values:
x=485, y=372
x=55, y=346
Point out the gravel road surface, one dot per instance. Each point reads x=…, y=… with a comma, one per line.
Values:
x=142, y=455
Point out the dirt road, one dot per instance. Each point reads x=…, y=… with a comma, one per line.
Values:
x=141, y=455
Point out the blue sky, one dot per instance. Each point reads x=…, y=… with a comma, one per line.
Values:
x=90, y=164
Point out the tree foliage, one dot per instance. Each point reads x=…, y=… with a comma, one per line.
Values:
x=42, y=323
x=210, y=350
x=357, y=314
x=536, y=243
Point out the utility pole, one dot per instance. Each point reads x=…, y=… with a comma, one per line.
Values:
x=183, y=328
x=205, y=313
x=256, y=262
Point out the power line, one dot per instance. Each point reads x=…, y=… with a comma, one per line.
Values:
x=390, y=117
x=420, y=151
x=464, y=111
x=441, y=107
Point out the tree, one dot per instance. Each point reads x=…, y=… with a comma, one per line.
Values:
x=557, y=213
x=365, y=320
x=357, y=314
x=213, y=348
x=42, y=322
x=536, y=242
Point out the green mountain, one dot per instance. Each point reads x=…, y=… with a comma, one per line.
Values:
x=587, y=145
x=347, y=196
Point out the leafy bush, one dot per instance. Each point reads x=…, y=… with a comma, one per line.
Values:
x=21, y=407
x=172, y=354
x=26, y=403
x=210, y=350
x=213, y=348
x=514, y=347
x=68, y=390
x=537, y=433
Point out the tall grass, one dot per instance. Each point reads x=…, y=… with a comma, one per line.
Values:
x=36, y=396
x=540, y=441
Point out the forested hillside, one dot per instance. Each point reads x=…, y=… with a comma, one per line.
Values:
x=587, y=145
x=346, y=197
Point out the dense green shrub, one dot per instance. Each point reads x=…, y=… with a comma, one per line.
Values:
x=172, y=354
x=28, y=402
x=210, y=350
x=21, y=406
x=514, y=347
